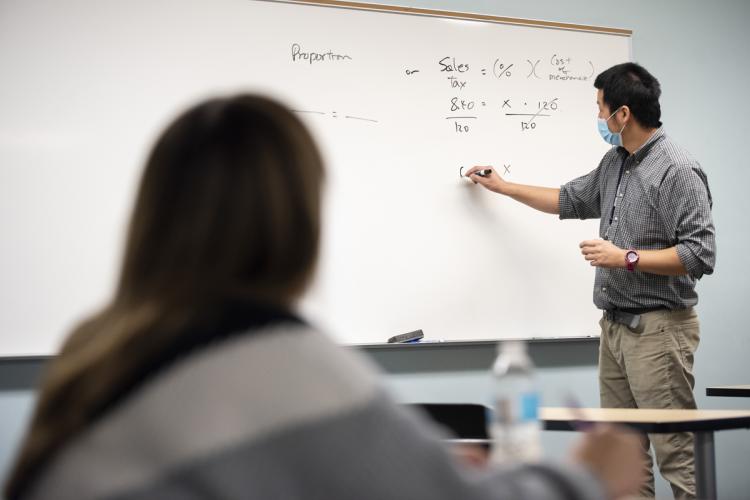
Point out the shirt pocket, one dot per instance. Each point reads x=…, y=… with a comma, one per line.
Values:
x=645, y=228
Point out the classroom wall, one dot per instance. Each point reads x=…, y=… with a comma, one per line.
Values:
x=697, y=50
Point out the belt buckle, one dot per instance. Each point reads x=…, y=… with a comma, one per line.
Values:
x=633, y=320
x=630, y=320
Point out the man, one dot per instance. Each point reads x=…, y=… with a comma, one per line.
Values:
x=656, y=240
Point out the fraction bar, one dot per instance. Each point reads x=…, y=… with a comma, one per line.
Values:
x=359, y=118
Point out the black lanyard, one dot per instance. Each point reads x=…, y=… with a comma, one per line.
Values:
x=617, y=191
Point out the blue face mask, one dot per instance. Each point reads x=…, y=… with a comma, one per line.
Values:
x=614, y=138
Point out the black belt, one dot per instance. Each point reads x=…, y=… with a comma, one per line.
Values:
x=630, y=317
x=637, y=310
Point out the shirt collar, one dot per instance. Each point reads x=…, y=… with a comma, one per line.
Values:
x=640, y=153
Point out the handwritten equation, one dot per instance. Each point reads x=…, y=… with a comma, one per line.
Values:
x=459, y=76
x=558, y=68
x=462, y=79
x=335, y=114
x=543, y=109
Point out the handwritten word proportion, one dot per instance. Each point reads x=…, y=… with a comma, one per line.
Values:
x=312, y=57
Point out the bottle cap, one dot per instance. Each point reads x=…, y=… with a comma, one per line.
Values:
x=511, y=346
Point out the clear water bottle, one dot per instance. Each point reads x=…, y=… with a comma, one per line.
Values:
x=515, y=427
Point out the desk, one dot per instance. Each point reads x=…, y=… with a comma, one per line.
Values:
x=740, y=391
x=702, y=423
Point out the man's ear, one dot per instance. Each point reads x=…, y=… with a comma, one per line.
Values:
x=625, y=113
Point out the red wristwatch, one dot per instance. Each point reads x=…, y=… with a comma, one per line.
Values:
x=631, y=259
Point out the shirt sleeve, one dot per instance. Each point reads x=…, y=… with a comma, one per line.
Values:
x=685, y=206
x=581, y=197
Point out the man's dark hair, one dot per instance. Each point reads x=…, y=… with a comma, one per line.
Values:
x=629, y=84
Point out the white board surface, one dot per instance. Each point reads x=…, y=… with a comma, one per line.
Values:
x=397, y=102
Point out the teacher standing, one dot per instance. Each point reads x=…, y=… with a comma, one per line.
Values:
x=656, y=240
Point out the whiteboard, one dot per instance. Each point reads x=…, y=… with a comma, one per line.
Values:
x=398, y=103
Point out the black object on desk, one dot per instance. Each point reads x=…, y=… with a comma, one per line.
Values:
x=468, y=422
x=737, y=391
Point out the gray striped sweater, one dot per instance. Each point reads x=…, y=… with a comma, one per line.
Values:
x=280, y=413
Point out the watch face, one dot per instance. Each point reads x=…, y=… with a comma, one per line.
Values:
x=632, y=257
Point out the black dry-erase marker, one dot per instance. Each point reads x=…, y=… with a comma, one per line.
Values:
x=406, y=337
x=483, y=173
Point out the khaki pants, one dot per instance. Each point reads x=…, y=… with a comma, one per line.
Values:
x=652, y=367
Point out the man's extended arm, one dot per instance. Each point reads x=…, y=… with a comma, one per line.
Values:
x=541, y=198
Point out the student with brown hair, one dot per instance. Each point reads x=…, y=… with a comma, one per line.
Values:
x=199, y=381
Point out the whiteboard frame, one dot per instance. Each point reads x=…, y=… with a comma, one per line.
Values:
x=469, y=343
x=416, y=11
x=380, y=346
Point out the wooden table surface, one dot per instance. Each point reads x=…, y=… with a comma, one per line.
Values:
x=647, y=420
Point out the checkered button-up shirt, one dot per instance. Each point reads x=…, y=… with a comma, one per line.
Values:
x=662, y=201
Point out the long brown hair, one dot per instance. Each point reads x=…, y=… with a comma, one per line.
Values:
x=228, y=208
